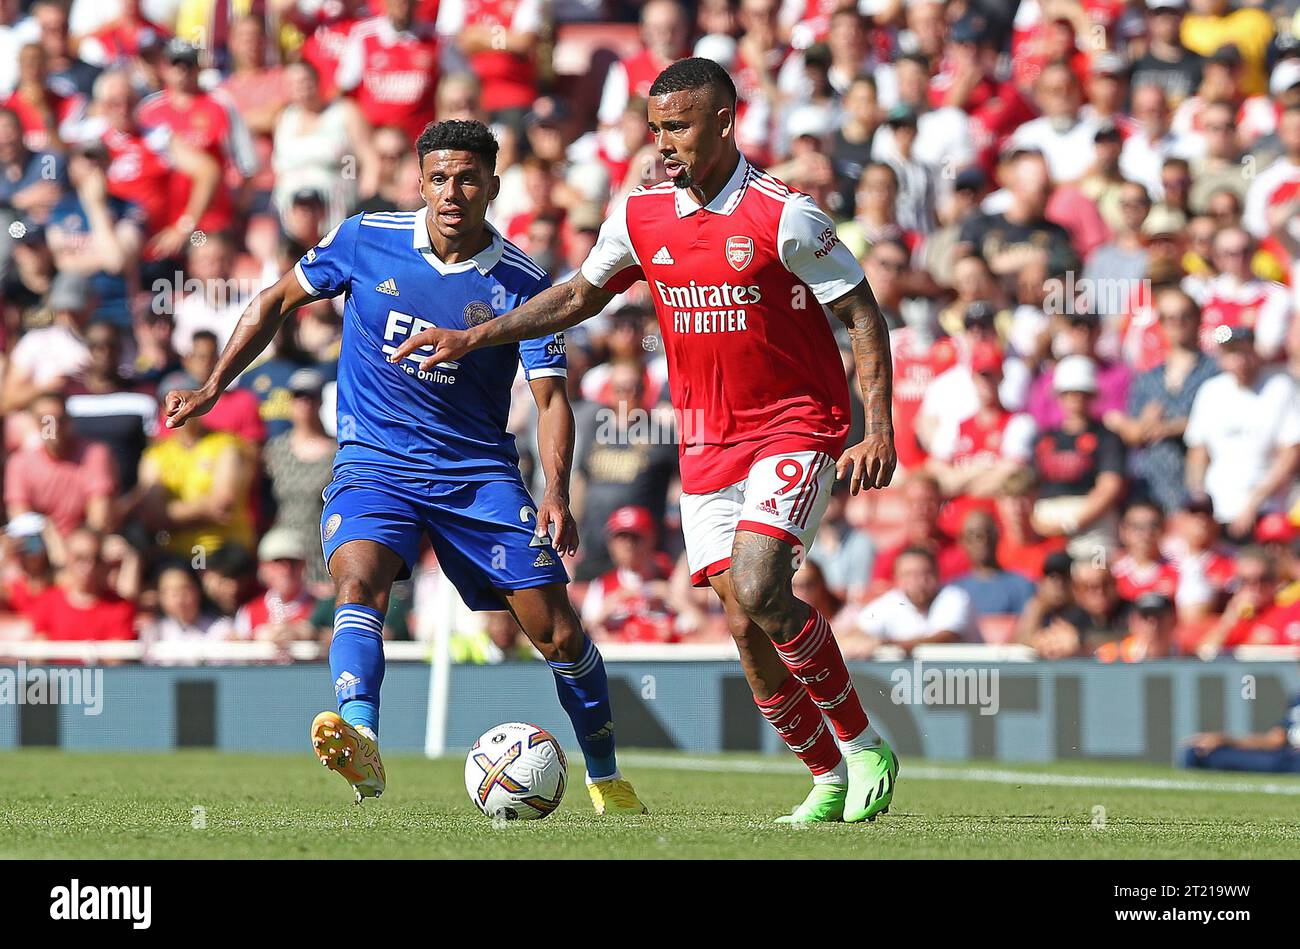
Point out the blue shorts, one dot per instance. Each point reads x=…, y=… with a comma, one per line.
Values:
x=483, y=532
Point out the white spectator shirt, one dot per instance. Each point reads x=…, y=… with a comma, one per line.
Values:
x=50, y=353
x=1069, y=153
x=894, y=618
x=1241, y=429
x=951, y=398
x=1141, y=159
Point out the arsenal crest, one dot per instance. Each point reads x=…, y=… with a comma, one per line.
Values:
x=740, y=251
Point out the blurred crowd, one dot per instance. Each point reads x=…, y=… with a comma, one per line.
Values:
x=1079, y=218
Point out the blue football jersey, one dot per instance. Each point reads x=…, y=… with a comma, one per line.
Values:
x=449, y=420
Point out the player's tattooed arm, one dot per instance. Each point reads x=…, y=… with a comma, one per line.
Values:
x=555, y=449
x=551, y=311
x=871, y=462
x=253, y=333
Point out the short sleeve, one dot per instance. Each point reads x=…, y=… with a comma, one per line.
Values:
x=1110, y=454
x=544, y=356
x=326, y=269
x=874, y=618
x=1195, y=435
x=613, y=252
x=451, y=17
x=351, y=66
x=1018, y=438
x=952, y=613
x=813, y=252
x=1288, y=432
x=527, y=18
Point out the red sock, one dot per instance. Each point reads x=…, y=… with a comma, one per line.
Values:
x=815, y=659
x=796, y=719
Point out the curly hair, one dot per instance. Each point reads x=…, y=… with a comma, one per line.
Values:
x=695, y=73
x=460, y=135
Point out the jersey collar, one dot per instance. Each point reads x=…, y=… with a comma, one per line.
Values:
x=727, y=200
x=484, y=260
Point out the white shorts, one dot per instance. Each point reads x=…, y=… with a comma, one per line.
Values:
x=784, y=496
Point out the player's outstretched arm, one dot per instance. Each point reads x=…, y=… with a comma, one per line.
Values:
x=257, y=326
x=551, y=311
x=872, y=460
x=555, y=448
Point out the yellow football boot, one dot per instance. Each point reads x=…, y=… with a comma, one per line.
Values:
x=352, y=753
x=614, y=796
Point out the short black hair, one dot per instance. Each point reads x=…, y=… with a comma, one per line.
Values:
x=458, y=135
x=695, y=72
x=232, y=560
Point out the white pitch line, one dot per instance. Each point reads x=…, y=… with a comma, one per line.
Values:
x=985, y=775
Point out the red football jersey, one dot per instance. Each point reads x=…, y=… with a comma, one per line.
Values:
x=509, y=80
x=323, y=50
x=140, y=171
x=1133, y=579
x=1262, y=305
x=210, y=124
x=393, y=75
x=738, y=287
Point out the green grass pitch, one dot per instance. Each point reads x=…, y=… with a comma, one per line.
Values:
x=228, y=805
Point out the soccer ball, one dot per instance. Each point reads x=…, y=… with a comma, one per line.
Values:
x=516, y=771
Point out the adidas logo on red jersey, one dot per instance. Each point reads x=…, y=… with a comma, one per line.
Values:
x=662, y=256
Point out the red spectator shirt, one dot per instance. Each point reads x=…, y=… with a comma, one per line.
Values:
x=642, y=69
x=980, y=443
x=1133, y=579
x=643, y=616
x=394, y=76
x=509, y=80
x=269, y=608
x=738, y=287
x=141, y=172
x=1275, y=626
x=1027, y=559
x=210, y=125
x=53, y=616
x=35, y=136
x=60, y=488
x=1262, y=305
x=323, y=50
x=120, y=40
x=950, y=555
x=917, y=363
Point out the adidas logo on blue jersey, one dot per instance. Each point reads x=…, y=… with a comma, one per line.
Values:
x=544, y=559
x=389, y=286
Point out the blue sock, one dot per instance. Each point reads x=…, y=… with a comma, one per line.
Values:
x=357, y=663
x=584, y=694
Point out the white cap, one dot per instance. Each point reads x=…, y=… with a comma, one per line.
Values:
x=280, y=543
x=1166, y=4
x=1285, y=75
x=1075, y=374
